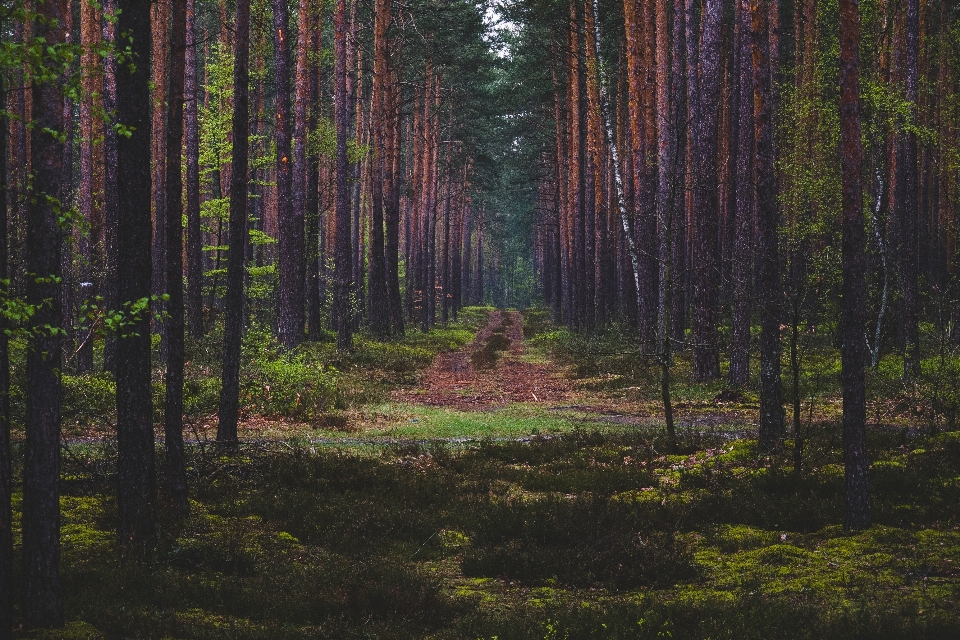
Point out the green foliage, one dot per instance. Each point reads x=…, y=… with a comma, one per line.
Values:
x=581, y=536
x=88, y=399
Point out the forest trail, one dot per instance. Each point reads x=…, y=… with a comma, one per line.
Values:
x=491, y=372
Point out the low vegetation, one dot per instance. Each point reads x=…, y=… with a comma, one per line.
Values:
x=524, y=521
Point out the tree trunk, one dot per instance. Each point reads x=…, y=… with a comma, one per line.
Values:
x=312, y=216
x=343, y=251
x=6, y=466
x=161, y=37
x=91, y=180
x=379, y=313
x=706, y=264
x=233, y=303
x=41, y=596
x=173, y=408
x=392, y=207
x=136, y=467
x=290, y=221
x=857, y=509
x=194, y=234
x=906, y=202
x=110, y=185
x=768, y=253
x=744, y=215
x=666, y=170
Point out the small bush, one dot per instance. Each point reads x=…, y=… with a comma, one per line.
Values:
x=89, y=399
x=289, y=386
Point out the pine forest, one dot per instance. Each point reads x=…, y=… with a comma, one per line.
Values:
x=442, y=319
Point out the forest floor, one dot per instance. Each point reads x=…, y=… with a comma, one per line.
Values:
x=520, y=486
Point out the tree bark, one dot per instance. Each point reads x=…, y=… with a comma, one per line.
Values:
x=706, y=352
x=312, y=218
x=392, y=207
x=194, y=234
x=857, y=507
x=290, y=221
x=744, y=199
x=379, y=313
x=41, y=594
x=343, y=251
x=91, y=180
x=233, y=303
x=161, y=39
x=768, y=253
x=136, y=467
x=6, y=466
x=173, y=408
x=906, y=202
x=111, y=193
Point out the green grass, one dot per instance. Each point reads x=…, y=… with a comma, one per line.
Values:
x=588, y=534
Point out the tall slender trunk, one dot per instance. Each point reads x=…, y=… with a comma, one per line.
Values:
x=233, y=303
x=290, y=221
x=744, y=199
x=194, y=234
x=379, y=313
x=111, y=193
x=301, y=117
x=343, y=251
x=161, y=37
x=768, y=252
x=41, y=596
x=666, y=153
x=173, y=407
x=90, y=182
x=706, y=352
x=906, y=203
x=312, y=216
x=136, y=467
x=575, y=192
x=392, y=208
x=856, y=465
x=6, y=455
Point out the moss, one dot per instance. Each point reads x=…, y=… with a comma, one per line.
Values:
x=76, y=630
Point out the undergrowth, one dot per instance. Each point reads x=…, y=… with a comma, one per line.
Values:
x=587, y=535
x=307, y=383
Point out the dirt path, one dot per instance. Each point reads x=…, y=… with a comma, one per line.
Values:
x=480, y=376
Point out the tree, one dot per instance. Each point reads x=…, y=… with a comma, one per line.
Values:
x=378, y=311
x=857, y=510
x=173, y=262
x=301, y=110
x=111, y=194
x=290, y=265
x=343, y=251
x=233, y=304
x=194, y=240
x=6, y=467
x=160, y=25
x=744, y=199
x=41, y=591
x=136, y=501
x=706, y=263
x=768, y=254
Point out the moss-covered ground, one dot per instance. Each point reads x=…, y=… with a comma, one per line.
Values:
x=530, y=521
